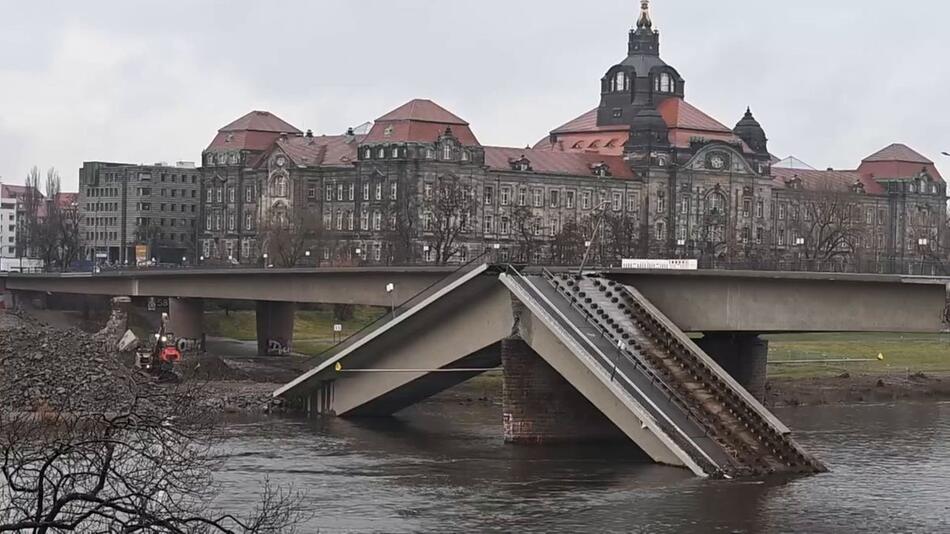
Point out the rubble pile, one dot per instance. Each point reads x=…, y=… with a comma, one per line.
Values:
x=61, y=370
x=43, y=369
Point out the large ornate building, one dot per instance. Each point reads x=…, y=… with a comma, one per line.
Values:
x=645, y=174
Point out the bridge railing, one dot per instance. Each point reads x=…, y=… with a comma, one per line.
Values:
x=398, y=311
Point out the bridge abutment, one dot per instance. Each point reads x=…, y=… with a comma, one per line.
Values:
x=275, y=327
x=541, y=407
x=186, y=322
x=743, y=356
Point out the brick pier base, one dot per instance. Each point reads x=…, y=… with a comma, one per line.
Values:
x=744, y=356
x=541, y=407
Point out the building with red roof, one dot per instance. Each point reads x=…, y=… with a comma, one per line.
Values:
x=660, y=176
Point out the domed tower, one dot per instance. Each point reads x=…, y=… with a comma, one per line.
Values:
x=642, y=80
x=648, y=133
x=749, y=130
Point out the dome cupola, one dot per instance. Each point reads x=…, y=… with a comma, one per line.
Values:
x=749, y=130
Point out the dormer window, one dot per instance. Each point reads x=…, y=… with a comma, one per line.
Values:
x=520, y=164
x=381, y=153
x=430, y=154
x=620, y=83
x=858, y=188
x=465, y=155
x=663, y=83
x=368, y=153
x=395, y=151
x=447, y=151
x=601, y=170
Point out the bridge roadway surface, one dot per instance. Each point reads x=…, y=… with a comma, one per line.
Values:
x=696, y=301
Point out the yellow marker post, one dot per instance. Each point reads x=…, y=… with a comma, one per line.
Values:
x=338, y=367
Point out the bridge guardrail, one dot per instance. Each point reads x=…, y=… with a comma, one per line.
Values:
x=396, y=312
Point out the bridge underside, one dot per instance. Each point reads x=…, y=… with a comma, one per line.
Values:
x=661, y=391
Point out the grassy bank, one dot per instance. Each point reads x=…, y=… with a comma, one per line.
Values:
x=903, y=354
x=313, y=329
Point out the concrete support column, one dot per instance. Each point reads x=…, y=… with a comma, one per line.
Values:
x=186, y=322
x=541, y=407
x=275, y=327
x=744, y=356
x=29, y=300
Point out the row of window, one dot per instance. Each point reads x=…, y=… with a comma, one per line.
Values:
x=347, y=191
x=447, y=152
x=102, y=206
x=662, y=83
x=146, y=221
x=215, y=194
x=173, y=193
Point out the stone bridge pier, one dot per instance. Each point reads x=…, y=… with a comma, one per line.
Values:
x=275, y=327
x=186, y=322
x=744, y=356
x=541, y=407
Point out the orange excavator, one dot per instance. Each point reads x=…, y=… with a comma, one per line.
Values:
x=162, y=358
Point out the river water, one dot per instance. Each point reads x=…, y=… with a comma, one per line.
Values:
x=442, y=467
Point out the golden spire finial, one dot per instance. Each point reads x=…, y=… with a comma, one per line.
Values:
x=645, y=21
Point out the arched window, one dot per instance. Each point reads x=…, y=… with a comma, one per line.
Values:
x=620, y=82
x=663, y=83
x=280, y=186
x=716, y=203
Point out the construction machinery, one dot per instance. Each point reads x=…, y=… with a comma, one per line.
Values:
x=161, y=359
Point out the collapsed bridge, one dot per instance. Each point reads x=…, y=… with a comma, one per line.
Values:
x=626, y=366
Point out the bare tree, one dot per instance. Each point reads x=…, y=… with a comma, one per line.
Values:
x=404, y=212
x=144, y=467
x=70, y=244
x=621, y=234
x=526, y=229
x=829, y=226
x=567, y=247
x=449, y=210
x=46, y=234
x=286, y=238
x=30, y=208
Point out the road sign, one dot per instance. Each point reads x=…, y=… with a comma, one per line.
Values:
x=337, y=328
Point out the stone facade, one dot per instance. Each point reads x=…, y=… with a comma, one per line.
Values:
x=541, y=407
x=645, y=174
x=123, y=205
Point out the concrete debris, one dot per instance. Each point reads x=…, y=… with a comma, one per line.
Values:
x=45, y=369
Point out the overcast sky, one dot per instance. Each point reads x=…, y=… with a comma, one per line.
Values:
x=147, y=81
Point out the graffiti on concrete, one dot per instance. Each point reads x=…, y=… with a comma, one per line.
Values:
x=277, y=348
x=188, y=345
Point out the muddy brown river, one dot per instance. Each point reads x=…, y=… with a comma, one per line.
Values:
x=443, y=467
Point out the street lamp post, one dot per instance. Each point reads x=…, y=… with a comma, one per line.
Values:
x=307, y=254
x=265, y=260
x=391, y=289
x=593, y=237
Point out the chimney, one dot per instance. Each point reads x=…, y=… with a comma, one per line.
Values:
x=309, y=132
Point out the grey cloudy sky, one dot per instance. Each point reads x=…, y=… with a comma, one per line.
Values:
x=145, y=81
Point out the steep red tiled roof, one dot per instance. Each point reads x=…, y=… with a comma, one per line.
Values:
x=679, y=113
x=813, y=180
x=897, y=152
x=261, y=121
x=684, y=120
x=255, y=131
x=554, y=162
x=324, y=150
x=15, y=191
x=66, y=200
x=421, y=121
x=247, y=140
x=897, y=162
x=424, y=111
